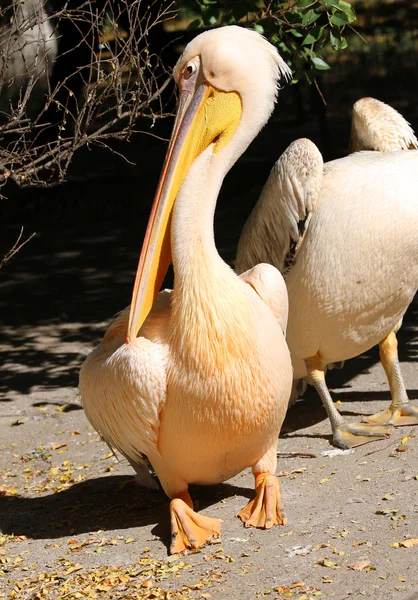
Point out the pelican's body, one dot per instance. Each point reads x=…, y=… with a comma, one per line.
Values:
x=356, y=271
x=217, y=379
x=344, y=235
x=199, y=385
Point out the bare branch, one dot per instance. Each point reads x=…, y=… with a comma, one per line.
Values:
x=83, y=75
x=16, y=247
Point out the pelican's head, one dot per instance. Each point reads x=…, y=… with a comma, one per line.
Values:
x=377, y=126
x=228, y=80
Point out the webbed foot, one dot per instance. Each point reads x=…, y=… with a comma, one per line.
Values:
x=188, y=528
x=397, y=415
x=348, y=436
x=266, y=509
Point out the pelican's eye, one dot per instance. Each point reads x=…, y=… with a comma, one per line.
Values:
x=189, y=70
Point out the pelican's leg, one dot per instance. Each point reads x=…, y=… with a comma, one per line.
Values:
x=344, y=435
x=400, y=411
x=266, y=509
x=188, y=528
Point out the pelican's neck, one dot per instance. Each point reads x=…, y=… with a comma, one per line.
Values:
x=195, y=257
x=209, y=308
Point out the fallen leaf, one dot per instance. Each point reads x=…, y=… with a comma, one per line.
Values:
x=359, y=566
x=325, y=562
x=20, y=421
x=109, y=455
x=74, y=568
x=324, y=480
x=58, y=446
x=388, y=511
x=409, y=543
x=319, y=546
x=359, y=543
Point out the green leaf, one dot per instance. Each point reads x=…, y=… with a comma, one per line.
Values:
x=320, y=64
x=313, y=36
x=295, y=33
x=345, y=13
x=338, y=42
x=347, y=9
x=259, y=28
x=339, y=20
x=303, y=3
x=310, y=17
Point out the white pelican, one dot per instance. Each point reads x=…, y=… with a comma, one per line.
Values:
x=28, y=48
x=199, y=386
x=344, y=236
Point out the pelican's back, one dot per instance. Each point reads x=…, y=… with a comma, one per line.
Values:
x=357, y=270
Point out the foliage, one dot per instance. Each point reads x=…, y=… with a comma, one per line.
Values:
x=301, y=29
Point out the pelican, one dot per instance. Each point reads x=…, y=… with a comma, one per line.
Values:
x=344, y=236
x=195, y=382
x=28, y=48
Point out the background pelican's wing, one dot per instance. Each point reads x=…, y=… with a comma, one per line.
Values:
x=280, y=218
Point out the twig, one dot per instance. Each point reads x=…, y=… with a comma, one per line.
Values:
x=304, y=454
x=411, y=434
x=16, y=247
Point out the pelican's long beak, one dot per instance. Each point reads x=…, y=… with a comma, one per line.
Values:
x=205, y=115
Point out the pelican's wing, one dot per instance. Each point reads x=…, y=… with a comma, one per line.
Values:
x=123, y=388
x=276, y=226
x=377, y=126
x=269, y=284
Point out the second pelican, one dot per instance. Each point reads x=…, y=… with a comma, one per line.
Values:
x=344, y=236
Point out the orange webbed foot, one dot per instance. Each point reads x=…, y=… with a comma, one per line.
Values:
x=267, y=508
x=396, y=415
x=188, y=528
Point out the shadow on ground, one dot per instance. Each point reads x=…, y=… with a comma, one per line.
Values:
x=104, y=503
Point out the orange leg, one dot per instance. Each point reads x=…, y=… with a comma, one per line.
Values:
x=400, y=412
x=267, y=508
x=188, y=528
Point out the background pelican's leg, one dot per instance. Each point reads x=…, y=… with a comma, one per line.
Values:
x=344, y=435
x=400, y=411
x=267, y=508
